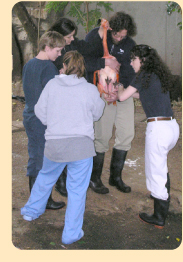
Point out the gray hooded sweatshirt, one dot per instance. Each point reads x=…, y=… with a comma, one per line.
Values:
x=68, y=106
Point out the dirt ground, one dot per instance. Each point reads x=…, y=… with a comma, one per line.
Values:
x=111, y=221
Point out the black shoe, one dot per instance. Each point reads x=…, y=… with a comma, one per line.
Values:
x=95, y=182
x=116, y=167
x=160, y=213
x=51, y=204
x=60, y=186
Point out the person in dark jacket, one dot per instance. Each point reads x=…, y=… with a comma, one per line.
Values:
x=36, y=73
x=153, y=82
x=68, y=29
x=119, y=44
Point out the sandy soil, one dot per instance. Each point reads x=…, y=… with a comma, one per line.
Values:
x=111, y=221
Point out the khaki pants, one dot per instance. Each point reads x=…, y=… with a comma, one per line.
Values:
x=122, y=116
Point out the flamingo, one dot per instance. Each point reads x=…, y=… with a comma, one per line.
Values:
x=107, y=77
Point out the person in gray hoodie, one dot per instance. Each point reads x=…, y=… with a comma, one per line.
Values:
x=68, y=106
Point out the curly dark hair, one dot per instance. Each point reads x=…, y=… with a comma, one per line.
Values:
x=152, y=63
x=120, y=21
x=64, y=26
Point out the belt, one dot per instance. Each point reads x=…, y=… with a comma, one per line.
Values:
x=159, y=119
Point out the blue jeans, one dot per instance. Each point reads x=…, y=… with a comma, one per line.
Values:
x=36, y=141
x=78, y=178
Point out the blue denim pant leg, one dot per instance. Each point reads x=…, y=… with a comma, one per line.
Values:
x=78, y=177
x=42, y=188
x=36, y=141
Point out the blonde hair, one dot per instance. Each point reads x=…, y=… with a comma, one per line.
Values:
x=52, y=39
x=75, y=64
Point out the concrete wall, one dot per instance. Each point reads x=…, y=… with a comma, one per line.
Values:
x=154, y=27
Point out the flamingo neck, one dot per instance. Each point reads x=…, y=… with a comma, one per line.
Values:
x=106, y=51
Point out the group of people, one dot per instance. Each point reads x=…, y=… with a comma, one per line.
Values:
x=69, y=124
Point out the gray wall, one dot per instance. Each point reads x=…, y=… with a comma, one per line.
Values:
x=154, y=27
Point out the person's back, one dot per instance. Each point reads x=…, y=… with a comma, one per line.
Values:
x=68, y=106
x=72, y=106
x=36, y=74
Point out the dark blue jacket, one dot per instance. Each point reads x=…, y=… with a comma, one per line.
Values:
x=120, y=51
x=81, y=46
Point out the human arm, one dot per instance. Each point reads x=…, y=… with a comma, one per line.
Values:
x=40, y=108
x=94, y=63
x=113, y=64
x=121, y=94
x=136, y=95
x=95, y=60
x=124, y=94
x=97, y=104
x=89, y=46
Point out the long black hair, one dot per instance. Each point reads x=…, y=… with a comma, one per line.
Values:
x=64, y=26
x=152, y=63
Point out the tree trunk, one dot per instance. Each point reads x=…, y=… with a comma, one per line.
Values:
x=27, y=23
x=18, y=60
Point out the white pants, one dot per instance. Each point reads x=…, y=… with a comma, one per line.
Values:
x=161, y=137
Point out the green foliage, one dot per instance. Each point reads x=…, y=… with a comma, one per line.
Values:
x=174, y=7
x=80, y=10
x=55, y=6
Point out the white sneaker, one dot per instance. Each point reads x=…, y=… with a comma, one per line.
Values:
x=27, y=218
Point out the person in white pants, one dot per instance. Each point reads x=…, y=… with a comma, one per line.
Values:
x=152, y=84
x=68, y=106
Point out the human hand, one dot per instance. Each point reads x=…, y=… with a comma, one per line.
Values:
x=113, y=64
x=136, y=95
x=112, y=97
x=104, y=24
x=61, y=71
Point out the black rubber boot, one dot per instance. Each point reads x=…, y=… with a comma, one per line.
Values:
x=167, y=185
x=95, y=182
x=160, y=213
x=117, y=163
x=60, y=186
x=51, y=204
x=32, y=180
